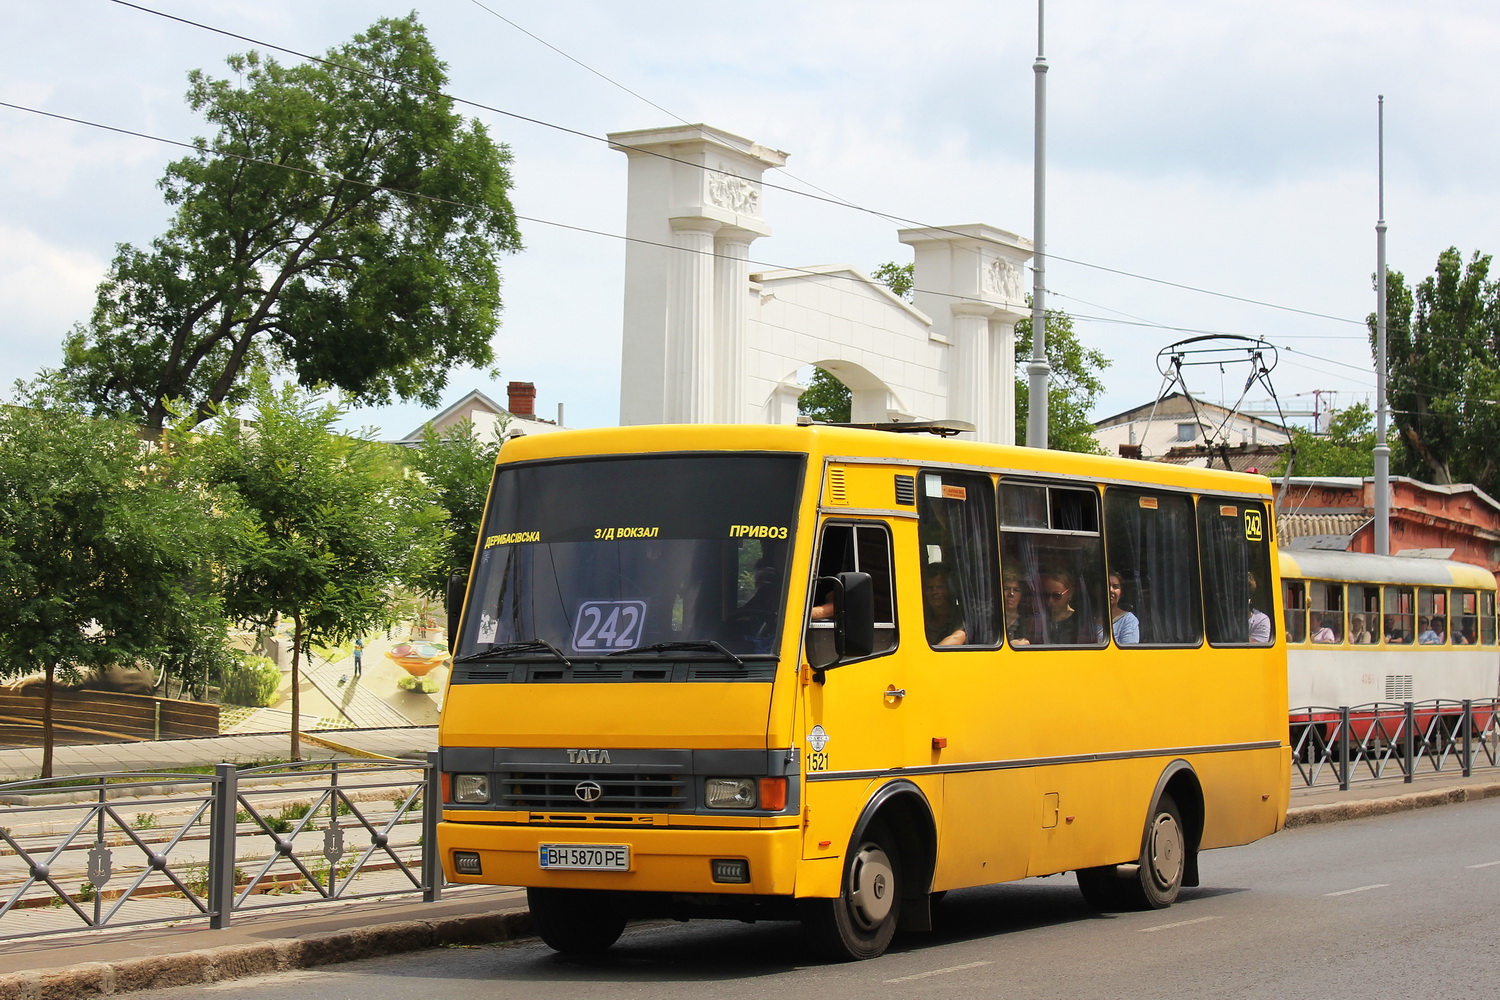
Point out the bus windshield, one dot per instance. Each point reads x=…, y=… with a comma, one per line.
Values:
x=647, y=555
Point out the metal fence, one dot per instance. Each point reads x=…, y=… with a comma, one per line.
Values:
x=1386, y=739
x=116, y=850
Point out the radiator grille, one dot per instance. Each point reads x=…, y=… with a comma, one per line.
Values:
x=548, y=791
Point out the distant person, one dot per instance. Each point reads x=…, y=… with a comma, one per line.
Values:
x=1427, y=635
x=1325, y=632
x=359, y=656
x=1358, y=634
x=1065, y=626
x=1124, y=624
x=1260, y=622
x=941, y=613
x=1394, y=632
x=1018, y=627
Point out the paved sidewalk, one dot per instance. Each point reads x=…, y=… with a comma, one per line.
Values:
x=25, y=763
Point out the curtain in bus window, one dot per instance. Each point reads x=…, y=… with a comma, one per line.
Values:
x=1153, y=546
x=1237, y=601
x=956, y=528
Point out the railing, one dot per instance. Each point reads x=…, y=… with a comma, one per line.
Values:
x=116, y=850
x=1383, y=739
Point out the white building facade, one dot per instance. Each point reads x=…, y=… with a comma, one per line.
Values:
x=708, y=341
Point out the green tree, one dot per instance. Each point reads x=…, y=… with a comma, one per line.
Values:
x=106, y=550
x=328, y=525
x=826, y=399
x=1443, y=383
x=458, y=466
x=1346, y=450
x=897, y=277
x=1073, y=386
x=342, y=225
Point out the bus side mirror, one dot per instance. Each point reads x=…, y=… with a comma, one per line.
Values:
x=457, y=586
x=850, y=633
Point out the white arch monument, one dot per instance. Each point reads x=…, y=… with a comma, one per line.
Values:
x=708, y=341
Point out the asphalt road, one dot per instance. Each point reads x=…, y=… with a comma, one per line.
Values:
x=1395, y=906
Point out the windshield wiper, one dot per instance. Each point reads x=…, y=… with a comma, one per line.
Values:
x=696, y=646
x=506, y=648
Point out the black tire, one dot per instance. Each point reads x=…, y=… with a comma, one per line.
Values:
x=860, y=923
x=575, y=921
x=1158, y=877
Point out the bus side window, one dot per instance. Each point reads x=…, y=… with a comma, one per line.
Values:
x=1326, y=613
x=1296, y=610
x=1051, y=544
x=1400, y=619
x=1234, y=538
x=1487, y=617
x=862, y=548
x=956, y=527
x=1153, y=547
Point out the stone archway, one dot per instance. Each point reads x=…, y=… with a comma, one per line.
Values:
x=707, y=341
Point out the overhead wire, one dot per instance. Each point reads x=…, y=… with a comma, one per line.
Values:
x=828, y=199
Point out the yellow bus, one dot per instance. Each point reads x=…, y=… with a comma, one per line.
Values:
x=827, y=674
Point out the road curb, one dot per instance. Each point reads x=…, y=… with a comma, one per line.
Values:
x=236, y=961
x=1335, y=812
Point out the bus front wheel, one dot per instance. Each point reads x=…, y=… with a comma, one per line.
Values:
x=575, y=921
x=860, y=923
x=1157, y=878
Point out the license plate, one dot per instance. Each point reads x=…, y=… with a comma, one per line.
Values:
x=585, y=857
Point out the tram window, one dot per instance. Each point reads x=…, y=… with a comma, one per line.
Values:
x=1326, y=611
x=1238, y=603
x=1295, y=605
x=1487, y=617
x=956, y=527
x=1051, y=551
x=1400, y=604
x=1432, y=615
x=864, y=548
x=1465, y=618
x=1364, y=613
x=1152, y=545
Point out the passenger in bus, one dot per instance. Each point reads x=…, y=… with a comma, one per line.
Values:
x=1260, y=622
x=1020, y=628
x=1124, y=624
x=1358, y=634
x=1325, y=632
x=1427, y=635
x=941, y=613
x=1065, y=626
x=1394, y=632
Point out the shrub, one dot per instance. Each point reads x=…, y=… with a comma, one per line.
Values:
x=253, y=681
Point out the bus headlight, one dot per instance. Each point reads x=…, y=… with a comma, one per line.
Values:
x=729, y=793
x=471, y=788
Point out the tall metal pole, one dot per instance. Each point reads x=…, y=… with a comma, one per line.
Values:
x=1038, y=369
x=1382, y=452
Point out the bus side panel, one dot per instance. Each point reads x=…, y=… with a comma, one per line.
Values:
x=983, y=831
x=1245, y=794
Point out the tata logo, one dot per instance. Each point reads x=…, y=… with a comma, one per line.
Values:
x=588, y=756
x=588, y=791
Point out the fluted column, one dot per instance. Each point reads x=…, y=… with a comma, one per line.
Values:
x=970, y=368
x=690, y=322
x=731, y=283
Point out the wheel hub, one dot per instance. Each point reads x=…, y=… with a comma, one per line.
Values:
x=872, y=883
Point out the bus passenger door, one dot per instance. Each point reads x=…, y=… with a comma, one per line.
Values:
x=853, y=724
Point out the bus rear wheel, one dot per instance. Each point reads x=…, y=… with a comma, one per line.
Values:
x=1157, y=879
x=575, y=921
x=860, y=923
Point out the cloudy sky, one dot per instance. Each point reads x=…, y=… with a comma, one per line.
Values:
x=1212, y=166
